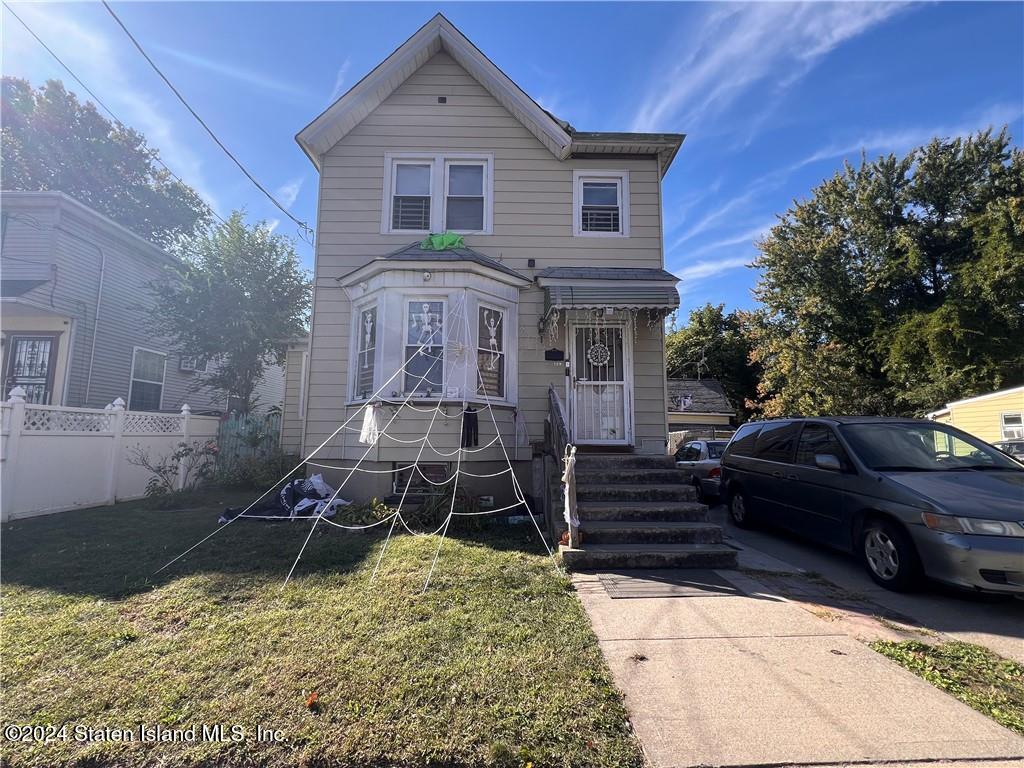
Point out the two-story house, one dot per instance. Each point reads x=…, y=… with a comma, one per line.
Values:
x=559, y=287
x=74, y=295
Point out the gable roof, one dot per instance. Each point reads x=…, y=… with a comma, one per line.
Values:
x=439, y=34
x=436, y=35
x=707, y=395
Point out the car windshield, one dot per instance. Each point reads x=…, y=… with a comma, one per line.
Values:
x=716, y=448
x=911, y=447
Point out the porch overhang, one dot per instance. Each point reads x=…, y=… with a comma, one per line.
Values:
x=629, y=289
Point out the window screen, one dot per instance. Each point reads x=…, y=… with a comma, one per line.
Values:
x=410, y=203
x=490, y=354
x=424, y=348
x=775, y=443
x=818, y=439
x=742, y=443
x=464, y=205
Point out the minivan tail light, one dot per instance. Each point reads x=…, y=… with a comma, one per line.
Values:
x=715, y=472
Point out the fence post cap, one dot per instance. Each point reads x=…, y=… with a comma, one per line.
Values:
x=16, y=395
x=117, y=405
x=185, y=409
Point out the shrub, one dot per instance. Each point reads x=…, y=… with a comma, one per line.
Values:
x=260, y=472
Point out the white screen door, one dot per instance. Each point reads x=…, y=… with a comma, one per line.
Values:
x=601, y=383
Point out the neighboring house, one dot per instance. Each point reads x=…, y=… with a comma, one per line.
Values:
x=73, y=303
x=993, y=417
x=560, y=283
x=293, y=413
x=699, y=404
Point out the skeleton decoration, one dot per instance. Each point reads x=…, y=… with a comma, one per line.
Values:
x=425, y=323
x=493, y=326
x=368, y=318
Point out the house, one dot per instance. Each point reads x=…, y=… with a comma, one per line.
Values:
x=992, y=417
x=73, y=303
x=699, y=405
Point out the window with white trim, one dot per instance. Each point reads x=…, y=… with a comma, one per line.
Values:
x=490, y=352
x=146, y=389
x=192, y=364
x=438, y=192
x=366, y=356
x=600, y=203
x=410, y=198
x=424, y=347
x=1012, y=426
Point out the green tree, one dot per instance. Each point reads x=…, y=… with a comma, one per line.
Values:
x=715, y=345
x=898, y=285
x=51, y=141
x=238, y=295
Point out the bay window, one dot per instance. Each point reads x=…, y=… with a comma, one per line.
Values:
x=437, y=192
x=490, y=353
x=424, y=348
x=366, y=352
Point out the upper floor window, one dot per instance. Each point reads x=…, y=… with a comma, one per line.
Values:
x=438, y=192
x=600, y=203
x=1012, y=426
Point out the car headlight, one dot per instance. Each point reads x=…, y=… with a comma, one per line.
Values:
x=971, y=525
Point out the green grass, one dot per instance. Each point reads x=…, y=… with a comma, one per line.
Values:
x=975, y=675
x=495, y=665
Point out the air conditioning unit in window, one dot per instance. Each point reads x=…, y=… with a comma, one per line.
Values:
x=191, y=364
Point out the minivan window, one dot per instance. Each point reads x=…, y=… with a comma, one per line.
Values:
x=915, y=447
x=775, y=443
x=818, y=439
x=743, y=441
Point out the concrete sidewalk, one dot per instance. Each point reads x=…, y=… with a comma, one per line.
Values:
x=716, y=671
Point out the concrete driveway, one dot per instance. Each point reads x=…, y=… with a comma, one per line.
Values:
x=996, y=622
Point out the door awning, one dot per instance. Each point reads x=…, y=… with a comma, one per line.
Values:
x=628, y=288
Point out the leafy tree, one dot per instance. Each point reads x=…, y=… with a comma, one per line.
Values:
x=51, y=141
x=714, y=345
x=899, y=285
x=238, y=294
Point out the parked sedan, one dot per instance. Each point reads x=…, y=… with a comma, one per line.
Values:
x=701, y=462
x=910, y=497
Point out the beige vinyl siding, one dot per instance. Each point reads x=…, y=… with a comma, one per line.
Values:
x=293, y=411
x=532, y=219
x=983, y=418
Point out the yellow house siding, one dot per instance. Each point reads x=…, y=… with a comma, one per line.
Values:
x=532, y=219
x=698, y=418
x=983, y=418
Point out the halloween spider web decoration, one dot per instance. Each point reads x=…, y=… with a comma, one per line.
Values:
x=454, y=351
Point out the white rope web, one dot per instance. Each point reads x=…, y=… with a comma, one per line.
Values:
x=413, y=469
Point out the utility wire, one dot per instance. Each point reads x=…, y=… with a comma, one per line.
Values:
x=103, y=106
x=301, y=224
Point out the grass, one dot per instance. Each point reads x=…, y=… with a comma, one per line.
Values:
x=495, y=664
x=975, y=675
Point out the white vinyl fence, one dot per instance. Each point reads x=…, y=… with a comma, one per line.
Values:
x=54, y=458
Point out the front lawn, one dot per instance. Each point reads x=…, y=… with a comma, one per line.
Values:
x=495, y=665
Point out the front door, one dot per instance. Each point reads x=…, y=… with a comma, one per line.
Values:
x=601, y=385
x=31, y=361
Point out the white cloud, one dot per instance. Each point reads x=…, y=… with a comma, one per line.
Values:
x=273, y=224
x=739, y=46
x=747, y=237
x=342, y=76
x=288, y=192
x=248, y=76
x=700, y=271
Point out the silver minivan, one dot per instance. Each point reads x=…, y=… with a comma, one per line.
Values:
x=910, y=497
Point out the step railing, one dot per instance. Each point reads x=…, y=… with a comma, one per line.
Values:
x=564, y=451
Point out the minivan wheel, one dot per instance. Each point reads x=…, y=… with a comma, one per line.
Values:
x=739, y=510
x=889, y=555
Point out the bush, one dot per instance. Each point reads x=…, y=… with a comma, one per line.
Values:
x=363, y=514
x=260, y=472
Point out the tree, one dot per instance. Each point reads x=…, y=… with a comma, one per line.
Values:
x=51, y=141
x=899, y=285
x=714, y=345
x=238, y=295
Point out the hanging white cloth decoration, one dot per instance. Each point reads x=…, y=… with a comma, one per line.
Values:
x=370, y=432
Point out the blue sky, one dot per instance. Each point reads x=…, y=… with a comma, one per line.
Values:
x=772, y=96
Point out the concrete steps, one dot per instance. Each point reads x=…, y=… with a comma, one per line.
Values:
x=636, y=512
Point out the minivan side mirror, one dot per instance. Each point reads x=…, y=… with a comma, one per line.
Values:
x=827, y=461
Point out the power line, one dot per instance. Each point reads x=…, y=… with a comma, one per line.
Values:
x=301, y=224
x=105, y=108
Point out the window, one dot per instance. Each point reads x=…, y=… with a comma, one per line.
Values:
x=1013, y=427
x=424, y=348
x=490, y=353
x=437, y=193
x=191, y=363
x=692, y=452
x=601, y=203
x=742, y=443
x=410, y=201
x=775, y=443
x=818, y=439
x=366, y=356
x=145, y=392
x=464, y=197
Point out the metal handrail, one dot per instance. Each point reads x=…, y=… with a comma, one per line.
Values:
x=565, y=451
